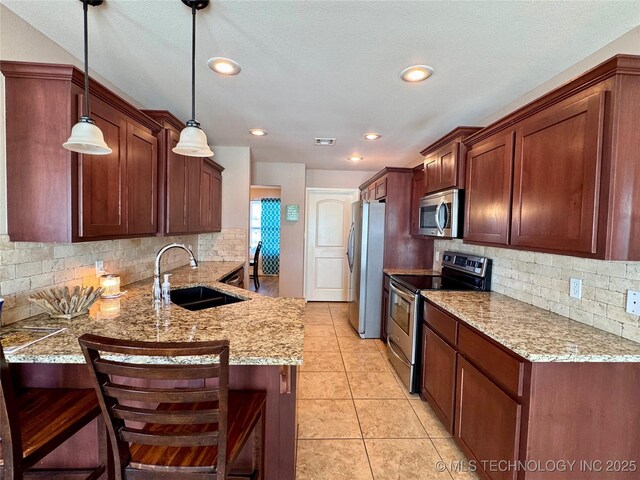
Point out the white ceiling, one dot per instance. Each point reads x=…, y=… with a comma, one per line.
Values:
x=320, y=68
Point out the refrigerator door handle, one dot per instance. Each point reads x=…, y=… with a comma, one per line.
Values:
x=350, y=248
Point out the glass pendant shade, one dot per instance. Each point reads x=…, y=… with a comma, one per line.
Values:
x=87, y=138
x=193, y=143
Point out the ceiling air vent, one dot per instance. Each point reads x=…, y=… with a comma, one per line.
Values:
x=325, y=142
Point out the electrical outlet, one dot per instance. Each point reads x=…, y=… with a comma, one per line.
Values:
x=99, y=268
x=437, y=259
x=633, y=302
x=575, y=287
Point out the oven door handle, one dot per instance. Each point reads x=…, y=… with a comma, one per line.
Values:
x=409, y=297
x=399, y=356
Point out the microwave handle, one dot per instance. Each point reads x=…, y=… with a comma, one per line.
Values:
x=440, y=227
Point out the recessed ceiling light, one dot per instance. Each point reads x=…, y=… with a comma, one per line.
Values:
x=258, y=132
x=416, y=73
x=224, y=66
x=371, y=136
x=355, y=158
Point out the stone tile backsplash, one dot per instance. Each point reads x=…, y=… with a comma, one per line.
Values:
x=542, y=280
x=28, y=267
x=229, y=245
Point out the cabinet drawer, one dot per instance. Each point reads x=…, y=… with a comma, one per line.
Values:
x=445, y=325
x=381, y=188
x=505, y=369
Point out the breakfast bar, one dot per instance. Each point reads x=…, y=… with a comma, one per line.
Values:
x=265, y=335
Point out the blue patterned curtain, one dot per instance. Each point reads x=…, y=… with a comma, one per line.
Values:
x=270, y=226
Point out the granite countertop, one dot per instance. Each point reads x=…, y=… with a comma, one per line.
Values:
x=411, y=271
x=261, y=330
x=533, y=333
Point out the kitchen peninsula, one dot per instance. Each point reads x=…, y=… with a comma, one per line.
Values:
x=266, y=337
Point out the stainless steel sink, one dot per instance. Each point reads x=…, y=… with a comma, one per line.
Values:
x=200, y=298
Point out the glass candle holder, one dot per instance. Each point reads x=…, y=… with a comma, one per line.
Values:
x=111, y=285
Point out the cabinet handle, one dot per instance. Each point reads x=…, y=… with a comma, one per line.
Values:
x=285, y=379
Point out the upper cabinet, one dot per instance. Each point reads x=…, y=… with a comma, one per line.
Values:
x=417, y=191
x=192, y=185
x=54, y=195
x=576, y=175
x=444, y=165
x=402, y=250
x=488, y=192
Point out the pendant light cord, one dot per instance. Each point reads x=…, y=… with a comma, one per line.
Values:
x=86, y=60
x=193, y=64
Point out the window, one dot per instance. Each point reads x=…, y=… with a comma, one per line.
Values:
x=255, y=223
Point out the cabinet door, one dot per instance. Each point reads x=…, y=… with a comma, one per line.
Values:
x=488, y=190
x=177, y=187
x=142, y=181
x=487, y=420
x=431, y=174
x=417, y=191
x=194, y=170
x=439, y=375
x=557, y=177
x=210, y=198
x=448, y=160
x=217, y=201
x=101, y=190
x=381, y=188
x=371, y=195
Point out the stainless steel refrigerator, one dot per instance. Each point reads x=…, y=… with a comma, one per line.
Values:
x=365, y=250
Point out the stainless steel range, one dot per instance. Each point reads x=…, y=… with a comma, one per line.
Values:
x=460, y=271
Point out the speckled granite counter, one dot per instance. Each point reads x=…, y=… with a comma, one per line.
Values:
x=411, y=271
x=261, y=330
x=533, y=333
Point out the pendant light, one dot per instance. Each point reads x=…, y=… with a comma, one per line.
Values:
x=193, y=141
x=86, y=137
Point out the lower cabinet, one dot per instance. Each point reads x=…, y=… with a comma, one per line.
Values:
x=385, y=309
x=439, y=376
x=487, y=421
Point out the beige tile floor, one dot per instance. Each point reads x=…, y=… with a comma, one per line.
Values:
x=356, y=421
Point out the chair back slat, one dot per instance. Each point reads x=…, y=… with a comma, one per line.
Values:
x=142, y=437
x=159, y=395
x=145, y=388
x=179, y=372
x=173, y=417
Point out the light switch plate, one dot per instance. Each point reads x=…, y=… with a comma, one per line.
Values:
x=575, y=287
x=99, y=268
x=633, y=302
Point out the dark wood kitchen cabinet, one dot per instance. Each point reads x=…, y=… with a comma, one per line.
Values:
x=488, y=420
x=54, y=195
x=444, y=163
x=505, y=408
x=392, y=186
x=488, y=190
x=576, y=177
x=417, y=192
x=559, y=211
x=192, y=185
x=438, y=376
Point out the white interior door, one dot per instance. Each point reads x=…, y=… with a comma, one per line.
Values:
x=328, y=222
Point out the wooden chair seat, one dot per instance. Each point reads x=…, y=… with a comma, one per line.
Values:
x=49, y=416
x=245, y=408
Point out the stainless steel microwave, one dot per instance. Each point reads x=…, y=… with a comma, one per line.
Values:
x=440, y=214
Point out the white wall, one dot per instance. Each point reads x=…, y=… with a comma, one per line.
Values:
x=236, y=185
x=291, y=178
x=628, y=43
x=337, y=178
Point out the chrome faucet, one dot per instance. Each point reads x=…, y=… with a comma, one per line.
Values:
x=157, y=292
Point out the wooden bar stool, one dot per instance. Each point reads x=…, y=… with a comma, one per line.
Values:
x=37, y=421
x=170, y=418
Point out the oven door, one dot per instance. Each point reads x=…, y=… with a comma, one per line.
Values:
x=401, y=322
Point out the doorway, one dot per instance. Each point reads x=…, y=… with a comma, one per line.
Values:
x=264, y=238
x=328, y=219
